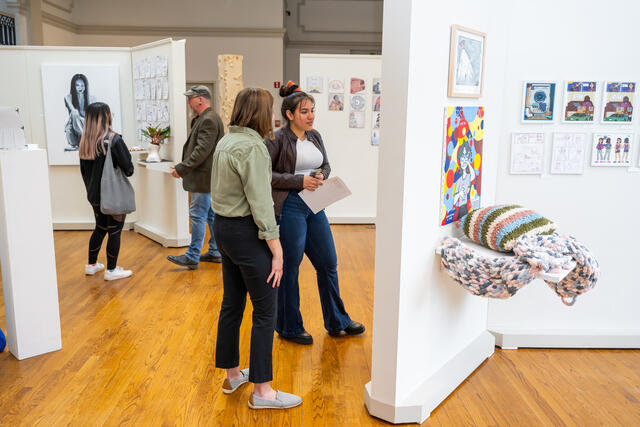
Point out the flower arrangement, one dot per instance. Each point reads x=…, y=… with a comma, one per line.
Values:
x=157, y=135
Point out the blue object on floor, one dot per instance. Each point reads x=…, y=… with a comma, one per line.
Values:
x=3, y=341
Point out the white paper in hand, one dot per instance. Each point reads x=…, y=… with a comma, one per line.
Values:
x=329, y=192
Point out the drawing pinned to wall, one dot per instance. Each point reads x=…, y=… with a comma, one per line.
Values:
x=375, y=120
x=527, y=153
x=611, y=149
x=375, y=137
x=466, y=62
x=67, y=90
x=579, y=101
x=356, y=119
x=376, y=86
x=618, y=102
x=336, y=85
x=314, y=84
x=151, y=89
x=357, y=85
x=336, y=102
x=567, y=155
x=375, y=103
x=461, y=162
x=539, y=99
x=357, y=102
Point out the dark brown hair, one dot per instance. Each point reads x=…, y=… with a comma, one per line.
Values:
x=253, y=109
x=293, y=97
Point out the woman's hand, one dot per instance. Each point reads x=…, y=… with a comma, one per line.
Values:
x=276, y=271
x=310, y=183
x=319, y=176
x=276, y=262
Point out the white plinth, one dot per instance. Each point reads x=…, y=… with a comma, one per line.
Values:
x=27, y=255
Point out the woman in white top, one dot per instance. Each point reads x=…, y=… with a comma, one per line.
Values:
x=299, y=161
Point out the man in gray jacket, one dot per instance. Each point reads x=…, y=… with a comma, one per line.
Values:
x=195, y=171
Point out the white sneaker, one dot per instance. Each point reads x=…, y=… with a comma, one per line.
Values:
x=90, y=270
x=116, y=273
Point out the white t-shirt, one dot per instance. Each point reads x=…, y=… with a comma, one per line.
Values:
x=308, y=157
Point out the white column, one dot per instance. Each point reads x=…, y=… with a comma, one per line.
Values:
x=428, y=333
x=27, y=255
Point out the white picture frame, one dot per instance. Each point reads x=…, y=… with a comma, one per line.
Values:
x=579, y=96
x=527, y=153
x=567, y=153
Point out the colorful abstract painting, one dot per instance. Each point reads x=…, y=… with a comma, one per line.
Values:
x=462, y=162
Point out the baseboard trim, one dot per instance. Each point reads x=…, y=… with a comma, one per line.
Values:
x=352, y=219
x=417, y=407
x=512, y=339
x=84, y=225
x=160, y=237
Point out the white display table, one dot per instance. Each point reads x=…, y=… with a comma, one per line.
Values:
x=27, y=255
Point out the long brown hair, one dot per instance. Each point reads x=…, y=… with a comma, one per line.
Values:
x=253, y=108
x=97, y=122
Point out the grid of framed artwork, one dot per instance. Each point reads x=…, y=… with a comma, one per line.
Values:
x=610, y=147
x=363, y=97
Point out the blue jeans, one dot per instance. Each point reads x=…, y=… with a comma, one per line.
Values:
x=201, y=214
x=303, y=232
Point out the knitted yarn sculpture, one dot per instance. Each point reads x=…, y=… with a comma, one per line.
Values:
x=502, y=277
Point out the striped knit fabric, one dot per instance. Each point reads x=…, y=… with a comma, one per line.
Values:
x=499, y=227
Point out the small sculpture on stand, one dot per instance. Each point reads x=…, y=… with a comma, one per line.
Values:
x=157, y=136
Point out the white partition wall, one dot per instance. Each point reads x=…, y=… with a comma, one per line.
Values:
x=351, y=155
x=428, y=333
x=598, y=207
x=163, y=205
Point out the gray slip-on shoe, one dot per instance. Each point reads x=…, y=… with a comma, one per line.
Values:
x=283, y=401
x=229, y=386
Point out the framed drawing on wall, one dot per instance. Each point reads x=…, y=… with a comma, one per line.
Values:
x=618, y=102
x=579, y=102
x=538, y=102
x=466, y=62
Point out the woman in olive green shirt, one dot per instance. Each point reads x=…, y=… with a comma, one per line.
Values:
x=247, y=236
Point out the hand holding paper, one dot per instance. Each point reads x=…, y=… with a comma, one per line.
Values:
x=329, y=192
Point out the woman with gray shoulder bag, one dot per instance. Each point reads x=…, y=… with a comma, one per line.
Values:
x=105, y=164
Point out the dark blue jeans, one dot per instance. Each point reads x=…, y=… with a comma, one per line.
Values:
x=303, y=232
x=201, y=214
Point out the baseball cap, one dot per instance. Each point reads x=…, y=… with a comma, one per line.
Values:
x=199, y=90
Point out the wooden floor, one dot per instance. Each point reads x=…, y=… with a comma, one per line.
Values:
x=139, y=351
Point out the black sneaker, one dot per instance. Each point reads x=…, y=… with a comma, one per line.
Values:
x=304, y=338
x=210, y=258
x=183, y=261
x=354, y=328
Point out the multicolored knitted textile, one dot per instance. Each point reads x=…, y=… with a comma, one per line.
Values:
x=499, y=227
x=502, y=277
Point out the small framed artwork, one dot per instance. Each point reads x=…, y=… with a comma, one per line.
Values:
x=336, y=85
x=336, y=102
x=376, y=86
x=357, y=102
x=538, y=102
x=314, y=84
x=579, y=102
x=356, y=119
x=527, y=153
x=375, y=121
x=375, y=137
x=567, y=155
x=617, y=101
x=466, y=62
x=611, y=149
x=357, y=85
x=375, y=102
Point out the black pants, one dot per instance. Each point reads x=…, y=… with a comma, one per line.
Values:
x=246, y=265
x=111, y=224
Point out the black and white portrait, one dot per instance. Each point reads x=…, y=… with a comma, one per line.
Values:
x=67, y=90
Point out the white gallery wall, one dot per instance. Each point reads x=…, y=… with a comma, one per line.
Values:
x=351, y=155
x=21, y=85
x=598, y=207
x=428, y=333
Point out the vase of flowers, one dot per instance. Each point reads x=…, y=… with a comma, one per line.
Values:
x=157, y=136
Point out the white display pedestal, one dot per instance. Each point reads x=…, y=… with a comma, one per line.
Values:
x=27, y=255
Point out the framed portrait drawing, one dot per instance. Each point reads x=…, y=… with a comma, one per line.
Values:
x=579, y=102
x=617, y=102
x=466, y=62
x=611, y=149
x=538, y=102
